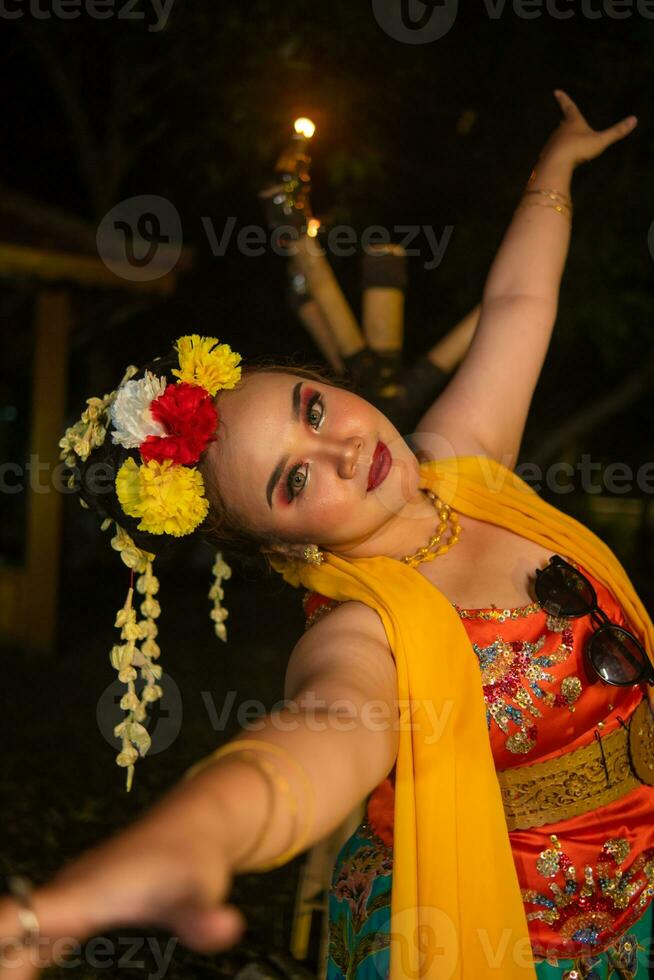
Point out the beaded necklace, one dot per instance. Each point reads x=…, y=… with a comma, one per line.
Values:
x=447, y=520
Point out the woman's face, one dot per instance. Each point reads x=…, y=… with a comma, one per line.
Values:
x=293, y=457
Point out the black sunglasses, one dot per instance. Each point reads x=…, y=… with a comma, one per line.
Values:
x=614, y=653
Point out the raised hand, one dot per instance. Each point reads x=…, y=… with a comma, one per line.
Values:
x=575, y=141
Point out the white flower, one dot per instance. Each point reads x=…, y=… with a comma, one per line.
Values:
x=152, y=693
x=129, y=701
x=127, y=757
x=220, y=567
x=130, y=411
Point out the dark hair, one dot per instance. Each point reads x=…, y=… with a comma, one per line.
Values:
x=221, y=528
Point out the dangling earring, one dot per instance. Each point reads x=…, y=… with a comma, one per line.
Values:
x=313, y=555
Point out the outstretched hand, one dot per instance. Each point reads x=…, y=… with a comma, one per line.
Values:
x=132, y=879
x=574, y=141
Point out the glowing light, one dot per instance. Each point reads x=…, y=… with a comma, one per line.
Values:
x=312, y=227
x=304, y=127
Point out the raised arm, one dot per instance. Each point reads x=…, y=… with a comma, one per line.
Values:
x=485, y=406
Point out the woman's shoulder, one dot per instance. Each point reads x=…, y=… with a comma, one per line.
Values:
x=316, y=606
x=333, y=614
x=347, y=650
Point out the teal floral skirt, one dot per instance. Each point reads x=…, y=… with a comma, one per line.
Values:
x=359, y=921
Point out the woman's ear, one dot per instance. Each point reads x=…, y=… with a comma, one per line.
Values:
x=283, y=549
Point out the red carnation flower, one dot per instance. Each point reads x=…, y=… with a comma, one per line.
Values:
x=189, y=416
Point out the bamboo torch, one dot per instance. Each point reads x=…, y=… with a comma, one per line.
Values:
x=286, y=201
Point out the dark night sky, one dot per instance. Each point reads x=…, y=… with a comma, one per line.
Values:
x=392, y=148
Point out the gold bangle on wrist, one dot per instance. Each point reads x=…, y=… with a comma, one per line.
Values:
x=245, y=747
x=552, y=195
x=561, y=209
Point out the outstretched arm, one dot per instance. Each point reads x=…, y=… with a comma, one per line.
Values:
x=174, y=865
x=485, y=406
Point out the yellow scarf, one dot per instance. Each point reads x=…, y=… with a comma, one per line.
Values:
x=456, y=906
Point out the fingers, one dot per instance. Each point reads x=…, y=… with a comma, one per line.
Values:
x=593, y=142
x=56, y=929
x=68, y=911
x=203, y=929
x=568, y=107
x=619, y=131
x=208, y=930
x=16, y=962
x=610, y=135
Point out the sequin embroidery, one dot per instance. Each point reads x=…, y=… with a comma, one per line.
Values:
x=494, y=615
x=584, y=904
x=508, y=669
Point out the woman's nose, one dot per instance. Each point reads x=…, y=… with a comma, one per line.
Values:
x=349, y=456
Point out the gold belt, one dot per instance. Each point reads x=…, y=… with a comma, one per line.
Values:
x=577, y=781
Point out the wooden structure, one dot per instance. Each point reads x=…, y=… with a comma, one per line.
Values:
x=53, y=256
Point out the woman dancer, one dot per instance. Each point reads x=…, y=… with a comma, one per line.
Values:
x=386, y=682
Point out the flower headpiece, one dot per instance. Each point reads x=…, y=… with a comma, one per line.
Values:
x=170, y=424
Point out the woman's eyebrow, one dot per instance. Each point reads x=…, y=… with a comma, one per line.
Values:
x=279, y=469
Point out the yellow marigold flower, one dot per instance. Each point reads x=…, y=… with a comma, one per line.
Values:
x=205, y=362
x=168, y=499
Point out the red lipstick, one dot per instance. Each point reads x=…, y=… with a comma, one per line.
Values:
x=381, y=464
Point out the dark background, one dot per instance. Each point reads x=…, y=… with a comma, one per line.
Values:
x=444, y=133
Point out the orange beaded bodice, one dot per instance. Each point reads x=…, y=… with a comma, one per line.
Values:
x=586, y=879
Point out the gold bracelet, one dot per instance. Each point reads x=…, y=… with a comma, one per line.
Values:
x=282, y=783
x=246, y=745
x=553, y=200
x=295, y=848
x=552, y=194
x=559, y=208
x=249, y=757
x=272, y=778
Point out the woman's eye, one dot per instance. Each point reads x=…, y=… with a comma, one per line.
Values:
x=315, y=411
x=298, y=475
x=295, y=482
